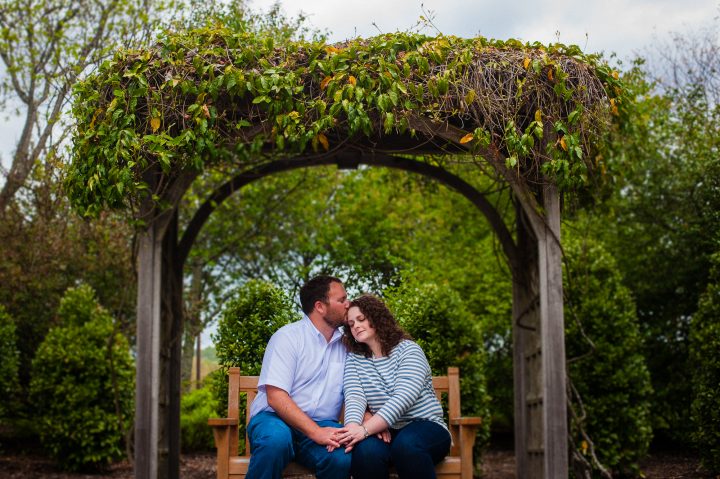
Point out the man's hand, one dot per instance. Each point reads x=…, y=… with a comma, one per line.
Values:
x=328, y=436
x=289, y=412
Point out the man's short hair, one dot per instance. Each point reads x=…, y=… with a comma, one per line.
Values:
x=316, y=289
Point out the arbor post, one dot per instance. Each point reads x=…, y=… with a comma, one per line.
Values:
x=147, y=366
x=541, y=443
x=552, y=331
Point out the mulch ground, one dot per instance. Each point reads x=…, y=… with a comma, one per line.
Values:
x=498, y=464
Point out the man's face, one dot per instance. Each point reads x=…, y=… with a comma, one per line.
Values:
x=336, y=305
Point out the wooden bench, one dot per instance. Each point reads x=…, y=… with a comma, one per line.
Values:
x=230, y=465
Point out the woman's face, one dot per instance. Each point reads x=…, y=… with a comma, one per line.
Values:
x=360, y=327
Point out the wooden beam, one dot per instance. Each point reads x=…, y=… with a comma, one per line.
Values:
x=147, y=364
x=379, y=159
x=552, y=330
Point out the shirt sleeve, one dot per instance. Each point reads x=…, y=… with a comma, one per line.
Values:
x=355, y=400
x=279, y=362
x=413, y=368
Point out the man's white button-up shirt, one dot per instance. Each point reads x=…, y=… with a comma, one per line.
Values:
x=301, y=362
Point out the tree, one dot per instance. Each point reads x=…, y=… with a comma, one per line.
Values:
x=610, y=384
x=704, y=347
x=660, y=221
x=9, y=360
x=45, y=46
x=45, y=249
x=82, y=385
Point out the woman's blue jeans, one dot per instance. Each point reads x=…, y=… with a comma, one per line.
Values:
x=274, y=444
x=414, y=450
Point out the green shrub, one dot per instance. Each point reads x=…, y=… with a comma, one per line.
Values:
x=9, y=359
x=257, y=310
x=705, y=357
x=82, y=385
x=612, y=378
x=439, y=321
x=196, y=408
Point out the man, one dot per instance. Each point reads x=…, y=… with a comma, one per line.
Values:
x=294, y=416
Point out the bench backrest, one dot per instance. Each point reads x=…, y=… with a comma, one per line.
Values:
x=444, y=385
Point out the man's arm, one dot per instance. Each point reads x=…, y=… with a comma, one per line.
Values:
x=285, y=407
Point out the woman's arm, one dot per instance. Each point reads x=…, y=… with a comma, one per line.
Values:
x=355, y=400
x=413, y=368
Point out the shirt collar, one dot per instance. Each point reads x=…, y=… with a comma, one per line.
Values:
x=337, y=334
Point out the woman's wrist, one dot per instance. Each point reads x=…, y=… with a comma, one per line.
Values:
x=366, y=431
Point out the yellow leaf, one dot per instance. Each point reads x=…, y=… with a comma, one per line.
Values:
x=467, y=138
x=154, y=124
x=613, y=107
x=550, y=74
x=538, y=116
x=352, y=80
x=206, y=112
x=470, y=97
x=323, y=141
x=563, y=145
x=615, y=74
x=584, y=446
x=332, y=50
x=526, y=63
x=324, y=83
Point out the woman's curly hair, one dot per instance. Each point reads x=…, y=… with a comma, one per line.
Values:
x=388, y=331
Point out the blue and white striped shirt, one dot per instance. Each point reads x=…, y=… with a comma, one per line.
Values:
x=398, y=387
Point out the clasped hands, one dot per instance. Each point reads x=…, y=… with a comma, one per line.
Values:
x=351, y=434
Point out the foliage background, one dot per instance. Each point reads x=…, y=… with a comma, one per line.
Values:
x=83, y=385
x=654, y=224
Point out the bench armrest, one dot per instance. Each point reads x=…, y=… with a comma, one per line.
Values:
x=466, y=421
x=222, y=421
x=466, y=431
x=223, y=431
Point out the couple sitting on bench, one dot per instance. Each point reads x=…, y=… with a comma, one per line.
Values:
x=392, y=416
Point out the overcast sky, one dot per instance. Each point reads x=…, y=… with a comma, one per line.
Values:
x=625, y=27
x=621, y=26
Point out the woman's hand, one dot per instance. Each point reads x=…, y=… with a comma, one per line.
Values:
x=353, y=434
x=384, y=436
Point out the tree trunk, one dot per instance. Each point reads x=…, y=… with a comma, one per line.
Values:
x=193, y=328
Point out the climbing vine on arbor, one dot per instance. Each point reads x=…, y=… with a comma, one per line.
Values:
x=211, y=96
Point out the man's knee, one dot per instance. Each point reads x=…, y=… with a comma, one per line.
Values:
x=272, y=438
x=335, y=464
x=279, y=442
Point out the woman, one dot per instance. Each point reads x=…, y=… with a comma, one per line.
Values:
x=388, y=374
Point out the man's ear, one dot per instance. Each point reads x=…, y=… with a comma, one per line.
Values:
x=320, y=306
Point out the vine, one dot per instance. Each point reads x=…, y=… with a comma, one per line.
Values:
x=211, y=96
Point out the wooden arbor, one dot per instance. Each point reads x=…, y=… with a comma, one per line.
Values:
x=152, y=122
x=538, y=331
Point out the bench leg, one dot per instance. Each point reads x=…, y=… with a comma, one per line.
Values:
x=222, y=442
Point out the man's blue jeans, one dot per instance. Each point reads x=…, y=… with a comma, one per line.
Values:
x=414, y=450
x=274, y=444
